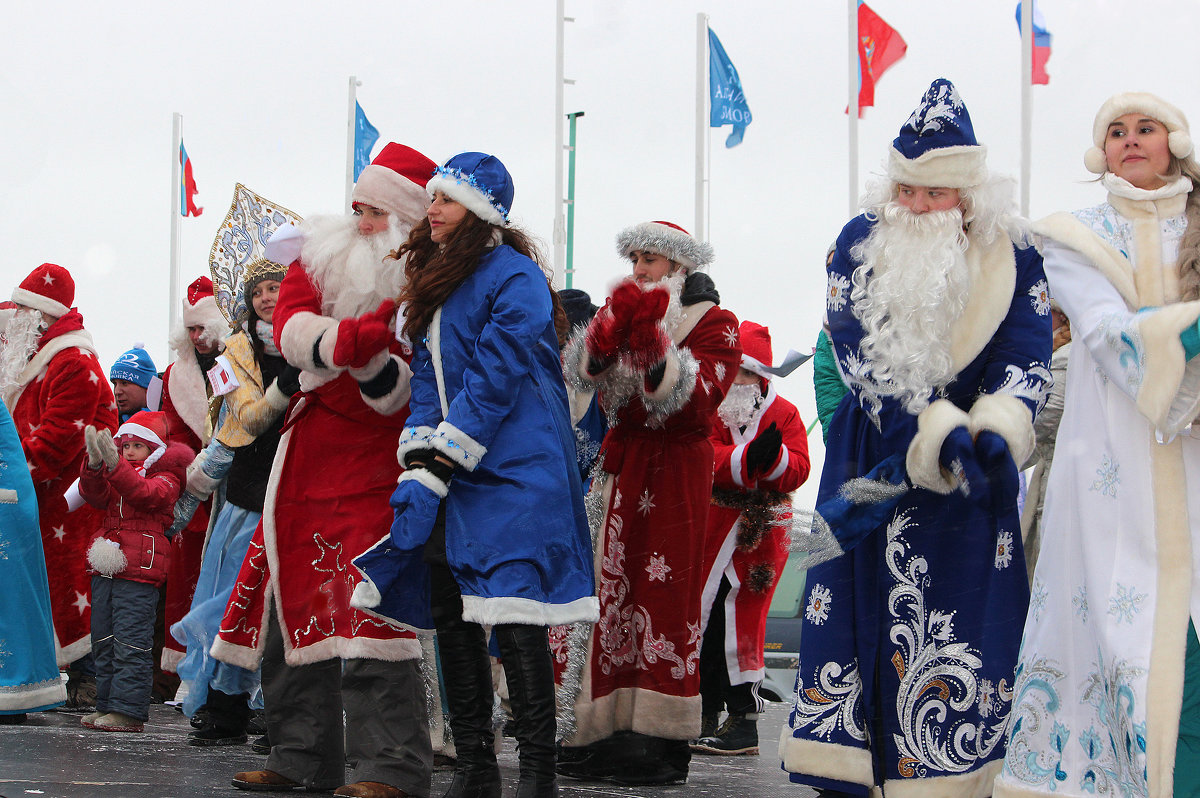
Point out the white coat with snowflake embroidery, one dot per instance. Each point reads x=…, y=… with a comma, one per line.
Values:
x=1081, y=723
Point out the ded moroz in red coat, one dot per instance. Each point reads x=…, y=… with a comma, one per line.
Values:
x=638, y=668
x=327, y=501
x=742, y=544
x=63, y=390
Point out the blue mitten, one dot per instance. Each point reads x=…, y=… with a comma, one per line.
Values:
x=958, y=457
x=1190, y=338
x=993, y=456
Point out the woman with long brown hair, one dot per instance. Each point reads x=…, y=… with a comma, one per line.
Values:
x=489, y=513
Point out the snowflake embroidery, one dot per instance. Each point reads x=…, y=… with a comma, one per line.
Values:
x=658, y=568
x=1003, y=550
x=1039, y=292
x=1108, y=477
x=987, y=692
x=1125, y=604
x=646, y=503
x=4, y=653
x=839, y=291
x=1080, y=603
x=731, y=336
x=719, y=371
x=3, y=549
x=819, y=599
x=941, y=625
x=1037, y=599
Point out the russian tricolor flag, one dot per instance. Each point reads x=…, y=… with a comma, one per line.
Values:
x=187, y=185
x=1041, y=45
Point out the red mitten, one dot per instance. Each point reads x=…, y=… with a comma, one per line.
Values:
x=647, y=338
x=609, y=330
x=360, y=339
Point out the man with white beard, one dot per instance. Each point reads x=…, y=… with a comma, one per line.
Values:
x=327, y=501
x=940, y=325
x=52, y=383
x=761, y=457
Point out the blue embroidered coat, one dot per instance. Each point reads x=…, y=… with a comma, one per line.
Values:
x=910, y=639
x=517, y=538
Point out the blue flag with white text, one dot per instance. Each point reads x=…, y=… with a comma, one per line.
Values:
x=365, y=136
x=725, y=88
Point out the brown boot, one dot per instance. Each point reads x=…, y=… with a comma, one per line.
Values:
x=264, y=781
x=371, y=789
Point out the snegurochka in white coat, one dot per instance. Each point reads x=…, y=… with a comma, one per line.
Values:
x=1100, y=683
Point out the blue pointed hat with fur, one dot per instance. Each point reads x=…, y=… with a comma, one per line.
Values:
x=479, y=182
x=937, y=145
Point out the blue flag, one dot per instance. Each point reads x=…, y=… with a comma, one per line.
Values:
x=725, y=87
x=365, y=136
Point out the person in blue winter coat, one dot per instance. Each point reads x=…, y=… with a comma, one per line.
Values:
x=490, y=524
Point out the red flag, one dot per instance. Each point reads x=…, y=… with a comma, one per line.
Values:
x=879, y=46
x=188, y=192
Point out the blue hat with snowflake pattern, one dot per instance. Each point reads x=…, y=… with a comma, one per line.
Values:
x=937, y=145
x=478, y=181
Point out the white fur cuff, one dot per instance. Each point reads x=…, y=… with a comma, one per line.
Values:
x=670, y=377
x=457, y=445
x=275, y=397
x=373, y=367
x=426, y=478
x=922, y=462
x=1008, y=417
x=412, y=439
x=300, y=334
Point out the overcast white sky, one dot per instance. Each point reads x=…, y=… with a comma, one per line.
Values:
x=88, y=91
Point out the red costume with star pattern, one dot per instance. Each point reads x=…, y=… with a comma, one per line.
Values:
x=64, y=390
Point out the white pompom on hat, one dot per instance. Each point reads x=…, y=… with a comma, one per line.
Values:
x=1179, y=138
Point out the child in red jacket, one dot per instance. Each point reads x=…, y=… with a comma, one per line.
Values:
x=136, y=485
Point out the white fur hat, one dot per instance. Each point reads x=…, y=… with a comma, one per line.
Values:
x=666, y=239
x=1179, y=139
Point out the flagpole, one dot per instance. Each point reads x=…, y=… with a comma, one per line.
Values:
x=852, y=105
x=560, y=224
x=1026, y=101
x=351, y=124
x=701, y=123
x=173, y=300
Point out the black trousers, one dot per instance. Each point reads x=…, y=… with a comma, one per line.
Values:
x=716, y=693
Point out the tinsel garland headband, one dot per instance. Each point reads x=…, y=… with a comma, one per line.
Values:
x=668, y=240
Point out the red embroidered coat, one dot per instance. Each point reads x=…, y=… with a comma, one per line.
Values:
x=639, y=667
x=63, y=389
x=751, y=555
x=327, y=502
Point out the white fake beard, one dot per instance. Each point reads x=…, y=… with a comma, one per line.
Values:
x=348, y=268
x=674, y=284
x=909, y=290
x=18, y=342
x=741, y=405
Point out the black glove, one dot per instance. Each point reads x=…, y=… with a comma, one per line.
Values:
x=443, y=471
x=762, y=452
x=288, y=380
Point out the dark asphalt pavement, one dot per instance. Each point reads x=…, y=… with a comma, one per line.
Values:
x=53, y=756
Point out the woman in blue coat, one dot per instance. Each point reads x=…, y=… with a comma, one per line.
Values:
x=490, y=458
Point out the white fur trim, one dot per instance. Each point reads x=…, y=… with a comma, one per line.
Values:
x=1138, y=102
x=1070, y=232
x=1165, y=365
x=396, y=399
x=301, y=333
x=275, y=397
x=38, y=302
x=664, y=240
x=371, y=370
x=457, y=445
x=426, y=478
x=200, y=484
x=41, y=359
x=470, y=198
x=736, y=466
x=138, y=431
x=205, y=313
x=38, y=694
x=825, y=760
x=948, y=167
x=635, y=709
x=973, y=784
x=412, y=439
x=508, y=609
x=105, y=557
x=923, y=459
x=366, y=595
x=1095, y=161
x=170, y=659
x=671, y=375
x=1173, y=552
x=1008, y=417
x=188, y=390
x=393, y=192
x=993, y=273
x=785, y=457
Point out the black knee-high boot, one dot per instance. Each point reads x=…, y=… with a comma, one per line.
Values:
x=529, y=671
x=467, y=677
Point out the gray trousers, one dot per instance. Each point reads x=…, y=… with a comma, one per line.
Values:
x=122, y=642
x=386, y=735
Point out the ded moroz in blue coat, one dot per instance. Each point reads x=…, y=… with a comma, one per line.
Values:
x=517, y=538
x=910, y=639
